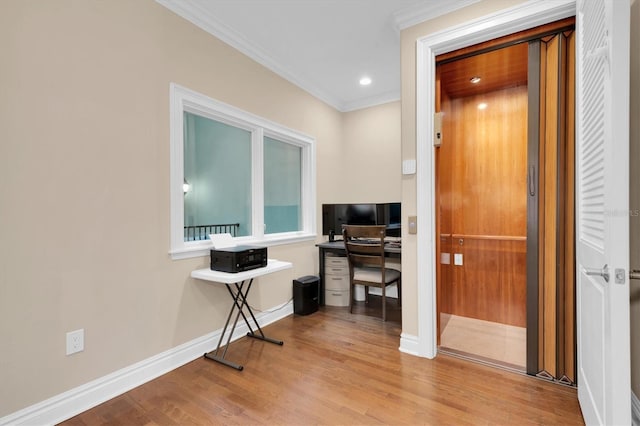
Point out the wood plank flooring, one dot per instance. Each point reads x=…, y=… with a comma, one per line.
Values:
x=336, y=368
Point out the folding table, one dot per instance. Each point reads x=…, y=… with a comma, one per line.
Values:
x=238, y=284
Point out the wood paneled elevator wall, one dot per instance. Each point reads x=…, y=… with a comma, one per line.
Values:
x=484, y=205
x=504, y=191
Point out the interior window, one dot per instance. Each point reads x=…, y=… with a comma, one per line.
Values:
x=233, y=172
x=217, y=172
x=282, y=177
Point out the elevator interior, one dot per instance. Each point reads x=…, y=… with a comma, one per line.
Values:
x=504, y=202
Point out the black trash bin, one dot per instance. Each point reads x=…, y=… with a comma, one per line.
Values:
x=305, y=295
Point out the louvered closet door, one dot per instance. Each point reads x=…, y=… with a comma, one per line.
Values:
x=602, y=204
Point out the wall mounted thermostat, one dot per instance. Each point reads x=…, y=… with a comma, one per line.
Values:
x=408, y=167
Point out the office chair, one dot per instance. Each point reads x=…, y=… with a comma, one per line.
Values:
x=364, y=245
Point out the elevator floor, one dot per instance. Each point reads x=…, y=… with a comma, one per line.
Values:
x=499, y=344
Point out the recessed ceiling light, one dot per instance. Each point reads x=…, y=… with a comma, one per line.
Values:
x=482, y=106
x=475, y=79
x=365, y=81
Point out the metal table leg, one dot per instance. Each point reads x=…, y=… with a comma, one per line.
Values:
x=239, y=303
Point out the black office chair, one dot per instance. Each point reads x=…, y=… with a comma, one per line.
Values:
x=365, y=253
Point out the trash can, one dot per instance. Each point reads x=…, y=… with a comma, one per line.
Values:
x=305, y=294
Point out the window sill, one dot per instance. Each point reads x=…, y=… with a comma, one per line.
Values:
x=202, y=248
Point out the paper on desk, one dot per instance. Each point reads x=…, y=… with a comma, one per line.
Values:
x=221, y=241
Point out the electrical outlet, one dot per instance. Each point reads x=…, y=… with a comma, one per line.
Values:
x=75, y=341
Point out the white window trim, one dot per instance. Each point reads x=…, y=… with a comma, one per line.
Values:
x=183, y=99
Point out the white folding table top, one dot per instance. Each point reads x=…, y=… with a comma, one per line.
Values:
x=273, y=265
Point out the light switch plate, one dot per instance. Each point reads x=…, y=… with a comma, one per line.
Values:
x=445, y=258
x=457, y=259
x=413, y=224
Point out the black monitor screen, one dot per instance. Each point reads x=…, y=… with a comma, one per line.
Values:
x=361, y=214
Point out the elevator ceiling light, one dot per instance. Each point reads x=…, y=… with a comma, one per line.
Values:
x=365, y=81
x=482, y=106
x=475, y=79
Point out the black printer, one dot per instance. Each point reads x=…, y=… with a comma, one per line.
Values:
x=238, y=258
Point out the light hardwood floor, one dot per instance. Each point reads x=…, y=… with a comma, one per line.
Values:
x=491, y=342
x=337, y=368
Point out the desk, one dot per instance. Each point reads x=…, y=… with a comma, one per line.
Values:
x=337, y=247
x=236, y=284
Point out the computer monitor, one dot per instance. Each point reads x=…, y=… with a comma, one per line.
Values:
x=336, y=215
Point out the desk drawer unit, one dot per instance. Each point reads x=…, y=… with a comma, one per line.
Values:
x=336, y=297
x=336, y=280
x=335, y=264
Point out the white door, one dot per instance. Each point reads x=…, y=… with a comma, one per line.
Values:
x=604, y=377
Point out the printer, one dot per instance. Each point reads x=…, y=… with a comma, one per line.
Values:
x=238, y=258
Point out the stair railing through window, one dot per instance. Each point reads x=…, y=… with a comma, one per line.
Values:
x=201, y=232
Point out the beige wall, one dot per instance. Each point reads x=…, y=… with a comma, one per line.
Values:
x=370, y=154
x=634, y=156
x=84, y=184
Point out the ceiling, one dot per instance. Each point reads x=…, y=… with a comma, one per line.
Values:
x=322, y=46
x=497, y=69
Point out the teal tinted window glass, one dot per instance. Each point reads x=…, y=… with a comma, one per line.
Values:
x=282, y=186
x=217, y=170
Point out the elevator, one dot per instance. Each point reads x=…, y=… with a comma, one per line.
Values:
x=504, y=202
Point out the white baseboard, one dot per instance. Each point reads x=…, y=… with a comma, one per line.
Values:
x=68, y=404
x=635, y=409
x=409, y=344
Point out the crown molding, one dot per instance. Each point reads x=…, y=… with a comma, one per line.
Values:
x=202, y=18
x=371, y=101
x=411, y=16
